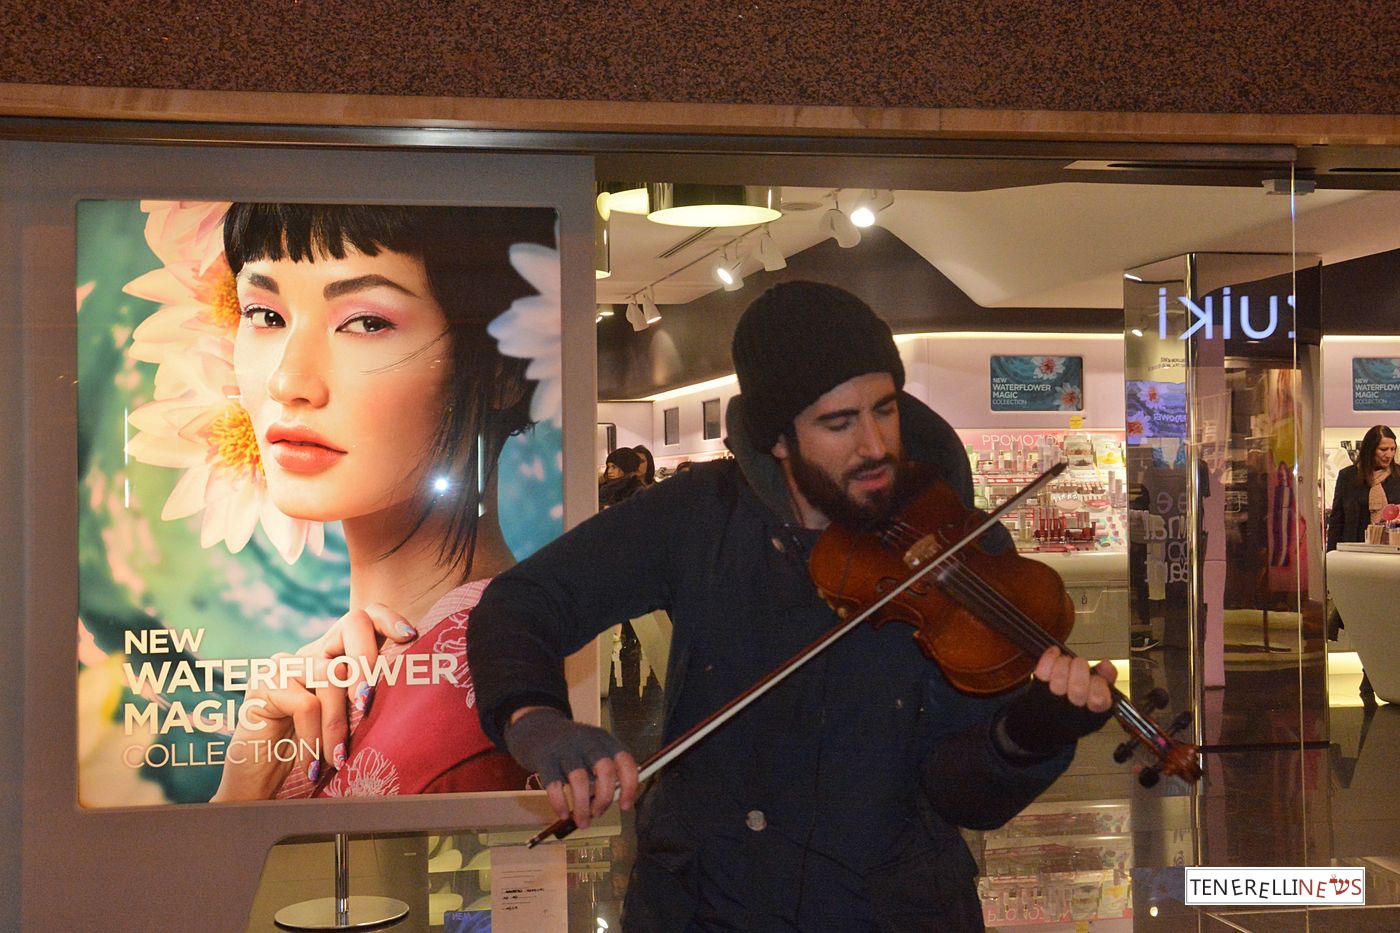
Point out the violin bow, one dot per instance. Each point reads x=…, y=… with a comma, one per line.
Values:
x=702, y=729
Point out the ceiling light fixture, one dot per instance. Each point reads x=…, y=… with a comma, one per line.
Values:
x=602, y=312
x=625, y=197
x=836, y=224
x=864, y=213
x=769, y=254
x=602, y=247
x=634, y=315
x=730, y=270
x=650, y=312
x=712, y=205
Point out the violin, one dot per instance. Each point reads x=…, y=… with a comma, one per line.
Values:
x=986, y=632
x=985, y=618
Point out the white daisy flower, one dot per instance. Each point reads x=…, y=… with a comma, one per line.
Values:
x=194, y=286
x=195, y=422
x=531, y=329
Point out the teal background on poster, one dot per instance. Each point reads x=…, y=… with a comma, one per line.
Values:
x=1375, y=383
x=1037, y=383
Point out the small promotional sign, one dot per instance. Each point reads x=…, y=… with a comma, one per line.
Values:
x=1037, y=383
x=1375, y=383
x=1316, y=886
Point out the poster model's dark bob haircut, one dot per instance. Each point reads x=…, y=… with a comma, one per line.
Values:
x=465, y=251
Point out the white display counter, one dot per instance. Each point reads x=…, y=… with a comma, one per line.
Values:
x=1097, y=583
x=1364, y=581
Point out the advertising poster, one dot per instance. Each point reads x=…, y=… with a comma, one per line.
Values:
x=1037, y=383
x=308, y=436
x=1375, y=383
x=1154, y=409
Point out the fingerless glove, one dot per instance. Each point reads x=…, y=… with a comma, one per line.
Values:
x=552, y=745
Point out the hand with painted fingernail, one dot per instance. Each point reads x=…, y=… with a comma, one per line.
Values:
x=353, y=643
x=278, y=735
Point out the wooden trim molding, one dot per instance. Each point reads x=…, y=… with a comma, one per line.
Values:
x=372, y=111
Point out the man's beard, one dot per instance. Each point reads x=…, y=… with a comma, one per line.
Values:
x=830, y=498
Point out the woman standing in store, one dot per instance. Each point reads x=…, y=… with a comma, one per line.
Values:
x=1365, y=488
x=1363, y=491
x=647, y=471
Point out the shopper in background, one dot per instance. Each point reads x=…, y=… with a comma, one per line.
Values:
x=833, y=802
x=619, y=479
x=1364, y=488
x=647, y=471
x=1363, y=491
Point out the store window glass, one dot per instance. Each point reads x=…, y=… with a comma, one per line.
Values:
x=1090, y=314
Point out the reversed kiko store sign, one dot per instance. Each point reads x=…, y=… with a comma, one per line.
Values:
x=284, y=412
x=1234, y=318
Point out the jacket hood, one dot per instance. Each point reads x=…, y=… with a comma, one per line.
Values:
x=927, y=439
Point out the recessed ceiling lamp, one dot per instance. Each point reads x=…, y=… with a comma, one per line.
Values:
x=625, y=197
x=713, y=205
x=836, y=224
x=650, y=312
x=769, y=254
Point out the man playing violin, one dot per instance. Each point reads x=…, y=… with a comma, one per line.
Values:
x=832, y=803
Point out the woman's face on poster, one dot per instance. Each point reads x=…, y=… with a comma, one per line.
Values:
x=341, y=364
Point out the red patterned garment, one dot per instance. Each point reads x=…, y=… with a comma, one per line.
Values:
x=421, y=738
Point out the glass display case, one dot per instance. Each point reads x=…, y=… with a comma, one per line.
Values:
x=1058, y=863
x=1083, y=510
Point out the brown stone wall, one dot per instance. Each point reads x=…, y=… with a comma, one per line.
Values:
x=1185, y=56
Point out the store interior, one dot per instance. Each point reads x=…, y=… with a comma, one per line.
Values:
x=1188, y=528
x=1045, y=267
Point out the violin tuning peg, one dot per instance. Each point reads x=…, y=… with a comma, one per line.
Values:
x=1179, y=723
x=1157, y=698
x=1125, y=750
x=1148, y=777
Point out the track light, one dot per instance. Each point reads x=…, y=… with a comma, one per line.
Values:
x=838, y=225
x=769, y=254
x=650, y=312
x=634, y=315
x=712, y=205
x=730, y=272
x=602, y=312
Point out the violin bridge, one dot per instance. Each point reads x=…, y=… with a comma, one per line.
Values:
x=922, y=551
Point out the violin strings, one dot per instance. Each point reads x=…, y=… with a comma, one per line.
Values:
x=981, y=597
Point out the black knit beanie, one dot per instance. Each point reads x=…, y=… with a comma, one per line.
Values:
x=625, y=459
x=798, y=341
